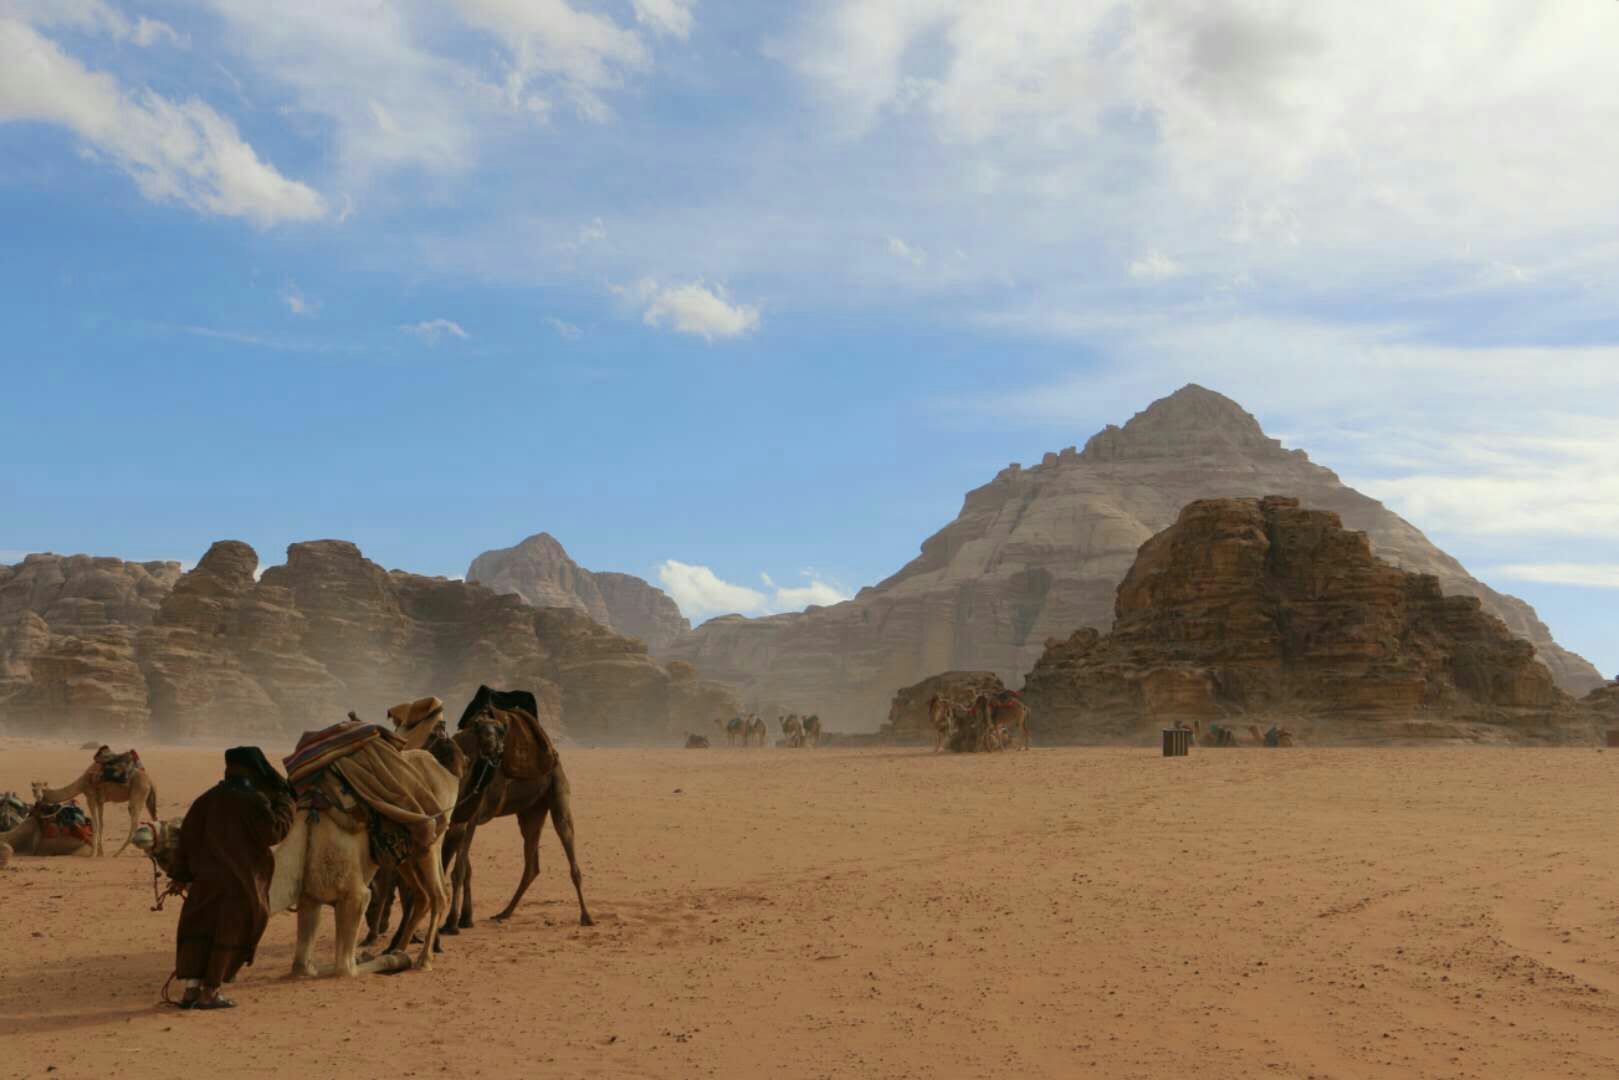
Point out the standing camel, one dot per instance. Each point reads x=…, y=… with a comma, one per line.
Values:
x=812, y=730
x=756, y=729
x=529, y=800
x=793, y=729
x=734, y=728
x=1009, y=717
x=100, y=785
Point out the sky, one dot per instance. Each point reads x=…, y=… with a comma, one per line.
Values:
x=743, y=297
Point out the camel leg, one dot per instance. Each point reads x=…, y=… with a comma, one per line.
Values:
x=303, y=957
x=95, y=821
x=562, y=821
x=430, y=891
x=350, y=913
x=456, y=845
x=531, y=821
x=134, y=821
x=379, y=912
x=463, y=879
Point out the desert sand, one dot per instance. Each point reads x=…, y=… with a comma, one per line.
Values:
x=888, y=913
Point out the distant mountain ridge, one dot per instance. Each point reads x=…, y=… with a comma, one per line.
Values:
x=1038, y=552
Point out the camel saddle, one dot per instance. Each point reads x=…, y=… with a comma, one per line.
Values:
x=356, y=773
x=115, y=768
x=64, y=819
x=530, y=754
x=13, y=811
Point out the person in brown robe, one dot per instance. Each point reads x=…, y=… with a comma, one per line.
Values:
x=226, y=860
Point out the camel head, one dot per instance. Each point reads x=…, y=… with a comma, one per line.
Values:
x=37, y=787
x=490, y=734
x=144, y=837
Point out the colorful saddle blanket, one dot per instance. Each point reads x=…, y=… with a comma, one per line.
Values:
x=318, y=749
x=64, y=819
x=115, y=768
x=13, y=811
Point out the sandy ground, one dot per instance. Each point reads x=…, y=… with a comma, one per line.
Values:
x=886, y=913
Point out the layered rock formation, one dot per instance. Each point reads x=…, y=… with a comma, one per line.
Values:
x=68, y=628
x=540, y=571
x=223, y=655
x=1038, y=552
x=1256, y=610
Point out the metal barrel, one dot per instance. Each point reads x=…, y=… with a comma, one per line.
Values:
x=1177, y=742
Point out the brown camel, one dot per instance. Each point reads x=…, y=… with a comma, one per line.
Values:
x=812, y=730
x=13, y=811
x=1274, y=737
x=530, y=801
x=696, y=742
x=941, y=714
x=111, y=778
x=1009, y=718
x=793, y=728
x=757, y=731
x=735, y=729
x=37, y=834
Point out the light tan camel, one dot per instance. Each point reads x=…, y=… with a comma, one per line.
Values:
x=29, y=839
x=1009, y=718
x=1275, y=737
x=793, y=729
x=812, y=730
x=941, y=714
x=138, y=792
x=326, y=861
x=756, y=729
x=734, y=728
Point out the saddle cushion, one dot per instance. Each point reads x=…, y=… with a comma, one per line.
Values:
x=318, y=749
x=65, y=819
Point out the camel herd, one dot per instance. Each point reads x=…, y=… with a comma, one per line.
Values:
x=751, y=730
x=338, y=853
x=983, y=723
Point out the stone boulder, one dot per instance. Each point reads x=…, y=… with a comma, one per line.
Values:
x=1257, y=610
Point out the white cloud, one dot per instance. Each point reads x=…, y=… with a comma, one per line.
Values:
x=565, y=330
x=913, y=255
x=695, y=308
x=90, y=17
x=699, y=592
x=671, y=17
x=1589, y=575
x=814, y=591
x=433, y=330
x=584, y=52
x=1154, y=266
x=297, y=302
x=181, y=152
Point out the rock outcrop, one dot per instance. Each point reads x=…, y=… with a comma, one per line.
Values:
x=68, y=628
x=1039, y=552
x=908, y=720
x=1257, y=610
x=540, y=571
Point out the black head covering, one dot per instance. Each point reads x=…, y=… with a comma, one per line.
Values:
x=251, y=760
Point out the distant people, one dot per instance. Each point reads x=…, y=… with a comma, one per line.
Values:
x=226, y=860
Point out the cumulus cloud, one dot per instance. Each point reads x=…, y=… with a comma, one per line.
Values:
x=91, y=17
x=670, y=17
x=182, y=152
x=695, y=308
x=565, y=330
x=585, y=53
x=700, y=593
x=1588, y=575
x=433, y=331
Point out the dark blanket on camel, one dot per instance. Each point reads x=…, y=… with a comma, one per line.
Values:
x=530, y=754
x=225, y=857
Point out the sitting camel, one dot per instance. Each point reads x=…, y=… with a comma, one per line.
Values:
x=51, y=829
x=326, y=860
x=793, y=729
x=111, y=778
x=529, y=800
x=812, y=730
x=696, y=742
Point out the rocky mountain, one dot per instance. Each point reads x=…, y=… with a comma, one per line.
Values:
x=540, y=571
x=1256, y=610
x=68, y=629
x=1038, y=552
x=217, y=653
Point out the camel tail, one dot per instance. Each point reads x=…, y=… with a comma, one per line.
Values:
x=151, y=801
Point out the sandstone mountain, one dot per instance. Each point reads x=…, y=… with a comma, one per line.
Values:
x=1038, y=553
x=68, y=628
x=1255, y=610
x=540, y=571
x=217, y=654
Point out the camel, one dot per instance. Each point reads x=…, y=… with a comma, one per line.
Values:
x=793, y=729
x=1219, y=734
x=812, y=730
x=13, y=811
x=28, y=837
x=530, y=801
x=326, y=861
x=756, y=729
x=696, y=742
x=1009, y=718
x=137, y=790
x=421, y=724
x=1273, y=737
x=734, y=728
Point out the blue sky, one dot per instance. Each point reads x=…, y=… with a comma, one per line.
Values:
x=764, y=289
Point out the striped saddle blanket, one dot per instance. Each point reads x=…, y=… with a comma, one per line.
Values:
x=318, y=749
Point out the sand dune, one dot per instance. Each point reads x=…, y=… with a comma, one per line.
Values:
x=1109, y=913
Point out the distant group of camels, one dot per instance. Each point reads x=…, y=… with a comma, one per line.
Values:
x=750, y=730
x=328, y=859
x=983, y=723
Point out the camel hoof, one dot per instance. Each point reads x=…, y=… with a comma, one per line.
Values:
x=466, y=922
x=305, y=972
x=586, y=920
x=449, y=928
